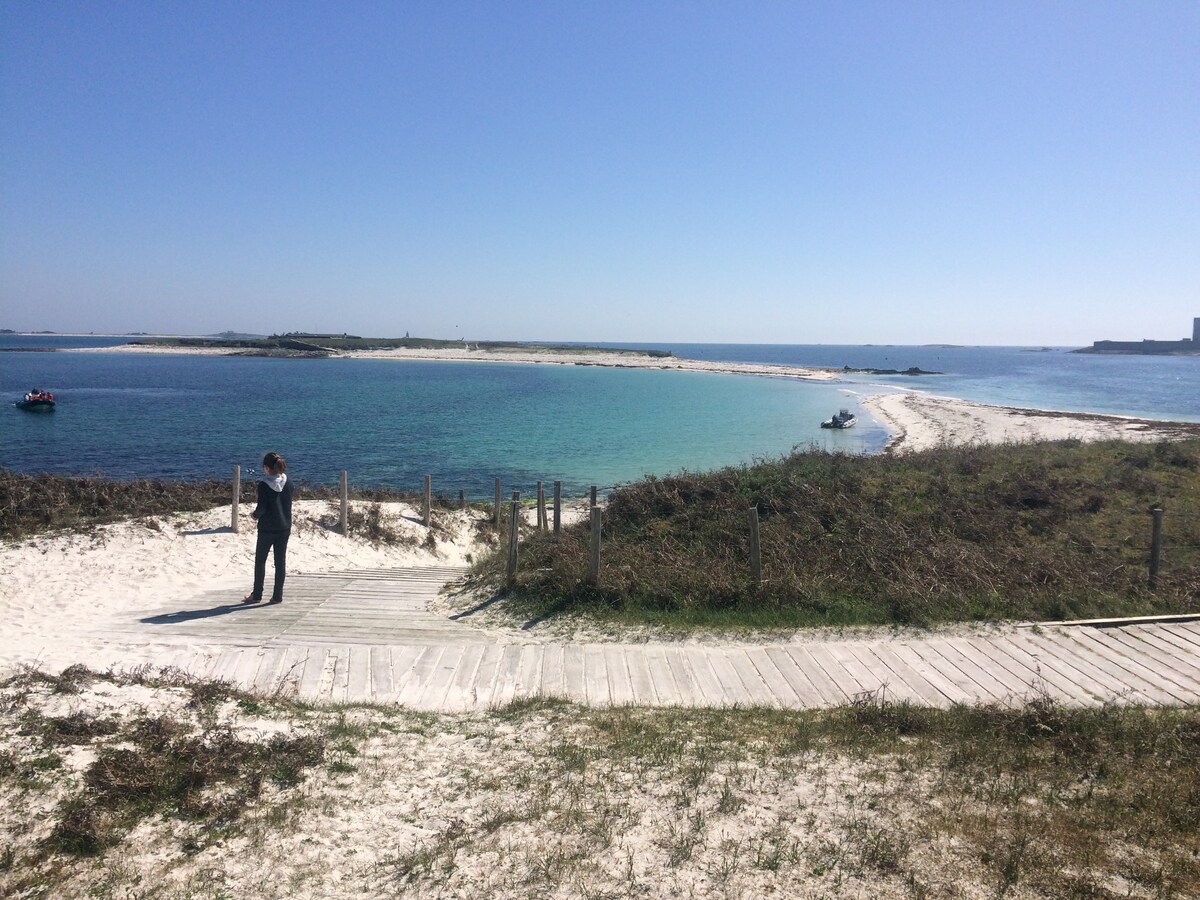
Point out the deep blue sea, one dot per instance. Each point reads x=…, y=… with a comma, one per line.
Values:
x=390, y=422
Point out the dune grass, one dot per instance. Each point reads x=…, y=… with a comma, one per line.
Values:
x=39, y=502
x=1051, y=530
x=543, y=797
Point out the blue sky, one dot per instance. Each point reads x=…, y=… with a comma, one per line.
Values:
x=744, y=172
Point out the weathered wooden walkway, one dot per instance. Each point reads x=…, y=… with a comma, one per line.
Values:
x=367, y=636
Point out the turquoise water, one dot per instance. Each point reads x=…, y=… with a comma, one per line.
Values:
x=391, y=422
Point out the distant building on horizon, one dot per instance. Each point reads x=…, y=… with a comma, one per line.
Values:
x=1186, y=346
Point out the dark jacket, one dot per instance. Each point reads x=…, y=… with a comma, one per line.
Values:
x=274, y=510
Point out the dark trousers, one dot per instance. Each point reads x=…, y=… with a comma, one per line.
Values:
x=268, y=540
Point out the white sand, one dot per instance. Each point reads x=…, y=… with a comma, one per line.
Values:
x=58, y=591
x=919, y=421
x=525, y=356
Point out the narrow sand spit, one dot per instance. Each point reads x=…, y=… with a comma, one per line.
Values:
x=530, y=356
x=920, y=421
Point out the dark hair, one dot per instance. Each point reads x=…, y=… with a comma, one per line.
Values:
x=274, y=463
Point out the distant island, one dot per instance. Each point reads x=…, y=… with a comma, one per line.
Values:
x=1185, y=347
x=301, y=343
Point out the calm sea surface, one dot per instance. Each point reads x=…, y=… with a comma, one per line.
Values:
x=391, y=422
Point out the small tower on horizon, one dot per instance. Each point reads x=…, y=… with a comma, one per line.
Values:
x=1196, y=330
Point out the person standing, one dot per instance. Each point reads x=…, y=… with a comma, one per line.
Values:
x=274, y=516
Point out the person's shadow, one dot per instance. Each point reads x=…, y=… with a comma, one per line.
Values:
x=188, y=615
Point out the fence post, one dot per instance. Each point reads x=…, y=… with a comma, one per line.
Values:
x=593, y=498
x=496, y=509
x=1156, y=523
x=594, y=563
x=344, y=522
x=541, y=507
x=462, y=499
x=428, y=500
x=755, y=549
x=557, y=507
x=513, y=514
x=237, y=496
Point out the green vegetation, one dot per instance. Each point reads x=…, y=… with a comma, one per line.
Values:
x=146, y=766
x=31, y=504
x=1025, y=531
x=302, y=342
x=548, y=798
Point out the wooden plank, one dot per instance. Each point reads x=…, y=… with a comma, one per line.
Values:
x=552, y=672
x=291, y=668
x=224, y=664
x=1049, y=676
x=712, y=692
x=685, y=680
x=1183, y=661
x=270, y=661
x=462, y=690
x=752, y=679
x=641, y=681
x=505, y=689
x=902, y=653
x=404, y=659
x=440, y=678
x=1132, y=653
x=619, y=686
x=381, y=674
x=726, y=674
x=1190, y=649
x=870, y=680
x=995, y=682
x=328, y=678
x=1148, y=648
x=529, y=671
x=573, y=673
x=807, y=696
x=847, y=684
x=1011, y=684
x=1146, y=681
x=416, y=680
x=310, y=678
x=660, y=675
x=1100, y=667
x=931, y=653
x=358, y=674
x=830, y=692
x=915, y=685
x=486, y=676
x=781, y=688
x=595, y=676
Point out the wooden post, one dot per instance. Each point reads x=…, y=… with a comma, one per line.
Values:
x=496, y=510
x=344, y=523
x=1156, y=523
x=755, y=549
x=594, y=563
x=428, y=500
x=513, y=515
x=593, y=497
x=557, y=507
x=462, y=499
x=541, y=507
x=237, y=496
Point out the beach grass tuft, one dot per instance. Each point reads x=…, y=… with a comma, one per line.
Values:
x=1051, y=530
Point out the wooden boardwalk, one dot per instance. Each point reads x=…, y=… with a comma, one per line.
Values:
x=368, y=636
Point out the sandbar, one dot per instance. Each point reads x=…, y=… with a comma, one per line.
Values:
x=920, y=421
